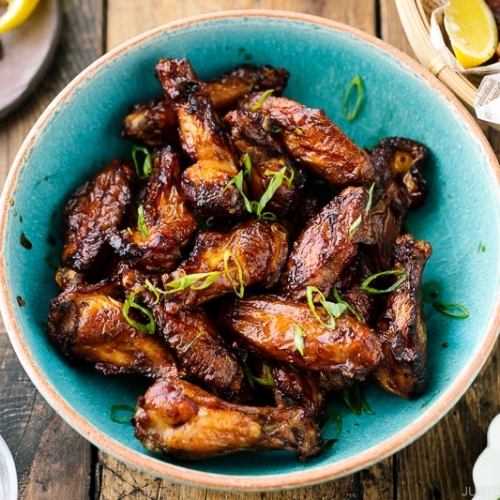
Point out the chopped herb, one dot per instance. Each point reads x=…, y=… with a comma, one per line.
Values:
x=140, y=222
x=268, y=381
x=143, y=171
x=263, y=97
x=364, y=286
x=355, y=85
x=189, y=281
x=355, y=225
x=337, y=297
x=239, y=288
x=149, y=327
x=452, y=309
x=370, y=198
x=121, y=414
x=355, y=401
x=298, y=338
x=190, y=344
x=333, y=310
x=247, y=166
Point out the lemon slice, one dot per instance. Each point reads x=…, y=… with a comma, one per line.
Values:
x=17, y=12
x=472, y=31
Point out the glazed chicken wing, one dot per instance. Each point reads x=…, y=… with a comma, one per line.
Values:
x=87, y=322
x=289, y=332
x=91, y=214
x=253, y=253
x=328, y=244
x=167, y=223
x=154, y=122
x=267, y=157
x=181, y=420
x=401, y=327
x=205, y=184
x=314, y=141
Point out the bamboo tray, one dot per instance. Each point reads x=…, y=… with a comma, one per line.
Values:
x=415, y=18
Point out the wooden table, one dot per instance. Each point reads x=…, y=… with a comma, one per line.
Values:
x=55, y=463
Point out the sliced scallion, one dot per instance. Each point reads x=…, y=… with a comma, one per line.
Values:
x=355, y=85
x=143, y=170
x=337, y=297
x=299, y=338
x=141, y=224
x=239, y=287
x=365, y=285
x=149, y=327
x=121, y=414
x=261, y=100
x=452, y=309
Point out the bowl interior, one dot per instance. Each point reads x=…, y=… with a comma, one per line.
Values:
x=81, y=132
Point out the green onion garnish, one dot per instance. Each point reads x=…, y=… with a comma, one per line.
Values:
x=149, y=327
x=189, y=281
x=263, y=97
x=336, y=419
x=121, y=414
x=143, y=171
x=247, y=166
x=190, y=344
x=337, y=297
x=298, y=338
x=333, y=310
x=239, y=288
x=268, y=381
x=450, y=309
x=364, y=286
x=355, y=401
x=355, y=225
x=140, y=222
x=370, y=198
x=237, y=180
x=355, y=85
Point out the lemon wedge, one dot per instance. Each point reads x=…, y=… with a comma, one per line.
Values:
x=471, y=28
x=17, y=12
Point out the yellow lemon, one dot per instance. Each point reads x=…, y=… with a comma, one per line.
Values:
x=472, y=31
x=17, y=12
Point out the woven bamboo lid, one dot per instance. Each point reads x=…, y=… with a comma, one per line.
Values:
x=415, y=18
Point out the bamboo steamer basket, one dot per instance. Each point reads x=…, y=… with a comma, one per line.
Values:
x=415, y=18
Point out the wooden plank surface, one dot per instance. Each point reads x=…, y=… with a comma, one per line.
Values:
x=53, y=462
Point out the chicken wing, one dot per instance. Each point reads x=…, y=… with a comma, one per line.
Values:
x=287, y=331
x=328, y=244
x=253, y=253
x=206, y=183
x=401, y=326
x=267, y=157
x=167, y=223
x=181, y=420
x=314, y=141
x=87, y=322
x=154, y=122
x=90, y=216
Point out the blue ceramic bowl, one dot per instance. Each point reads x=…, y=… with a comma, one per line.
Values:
x=80, y=131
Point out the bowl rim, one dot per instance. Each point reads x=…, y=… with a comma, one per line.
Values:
x=178, y=473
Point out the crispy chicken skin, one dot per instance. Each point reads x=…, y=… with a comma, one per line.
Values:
x=87, y=322
x=181, y=420
x=401, y=326
x=168, y=222
x=258, y=248
x=328, y=244
x=153, y=122
x=267, y=326
x=94, y=210
x=203, y=139
x=406, y=160
x=266, y=155
x=298, y=388
x=314, y=141
x=202, y=352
